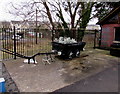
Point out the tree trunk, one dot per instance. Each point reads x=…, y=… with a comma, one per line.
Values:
x=84, y=21
x=50, y=18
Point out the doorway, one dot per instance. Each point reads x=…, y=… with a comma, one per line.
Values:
x=117, y=34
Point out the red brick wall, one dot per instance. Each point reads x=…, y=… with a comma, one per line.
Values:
x=107, y=37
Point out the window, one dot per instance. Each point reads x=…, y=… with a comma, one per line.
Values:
x=117, y=34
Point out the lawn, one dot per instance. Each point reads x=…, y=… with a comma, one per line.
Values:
x=27, y=47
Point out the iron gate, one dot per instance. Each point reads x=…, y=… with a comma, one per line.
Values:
x=25, y=41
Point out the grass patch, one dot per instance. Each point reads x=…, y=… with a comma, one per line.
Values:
x=27, y=47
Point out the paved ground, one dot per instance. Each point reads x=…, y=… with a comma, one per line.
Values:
x=10, y=85
x=0, y=69
x=59, y=74
x=105, y=81
x=36, y=78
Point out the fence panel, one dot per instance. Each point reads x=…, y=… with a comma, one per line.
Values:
x=25, y=41
x=29, y=41
x=91, y=37
x=6, y=42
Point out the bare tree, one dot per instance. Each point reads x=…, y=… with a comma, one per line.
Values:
x=72, y=15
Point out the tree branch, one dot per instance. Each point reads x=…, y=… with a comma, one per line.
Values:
x=49, y=14
x=70, y=11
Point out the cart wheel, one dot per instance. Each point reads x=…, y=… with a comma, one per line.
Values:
x=70, y=55
x=77, y=53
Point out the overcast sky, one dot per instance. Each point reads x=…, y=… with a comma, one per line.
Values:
x=4, y=6
x=6, y=16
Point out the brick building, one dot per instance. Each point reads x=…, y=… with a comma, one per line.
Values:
x=110, y=28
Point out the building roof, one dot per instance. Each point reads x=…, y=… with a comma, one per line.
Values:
x=109, y=15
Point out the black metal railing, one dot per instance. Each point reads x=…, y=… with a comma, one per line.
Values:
x=27, y=42
x=23, y=41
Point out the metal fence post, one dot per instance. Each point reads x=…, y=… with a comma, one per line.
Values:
x=95, y=39
x=36, y=35
x=14, y=44
x=36, y=26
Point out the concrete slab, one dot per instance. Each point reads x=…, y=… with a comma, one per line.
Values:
x=105, y=81
x=36, y=78
x=58, y=74
x=10, y=85
x=0, y=69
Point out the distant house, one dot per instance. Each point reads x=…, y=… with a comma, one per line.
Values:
x=29, y=24
x=5, y=24
x=17, y=25
x=92, y=27
x=110, y=25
